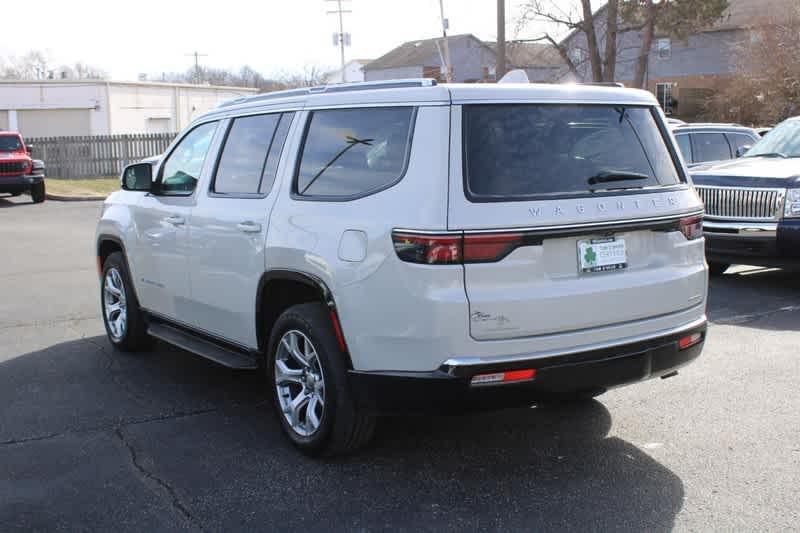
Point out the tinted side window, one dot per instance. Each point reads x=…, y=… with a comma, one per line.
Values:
x=275, y=150
x=244, y=155
x=738, y=140
x=182, y=168
x=711, y=147
x=685, y=144
x=350, y=152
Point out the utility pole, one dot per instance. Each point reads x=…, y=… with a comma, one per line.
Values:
x=448, y=69
x=341, y=39
x=197, y=57
x=500, y=68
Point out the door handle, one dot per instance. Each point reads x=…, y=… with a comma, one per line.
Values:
x=175, y=220
x=249, y=226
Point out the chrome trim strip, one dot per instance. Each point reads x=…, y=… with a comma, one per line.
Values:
x=459, y=362
x=589, y=225
x=741, y=229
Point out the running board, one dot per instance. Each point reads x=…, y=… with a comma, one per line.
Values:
x=229, y=357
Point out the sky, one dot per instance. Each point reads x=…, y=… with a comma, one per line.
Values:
x=272, y=36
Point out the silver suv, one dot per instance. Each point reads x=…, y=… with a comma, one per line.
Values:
x=404, y=246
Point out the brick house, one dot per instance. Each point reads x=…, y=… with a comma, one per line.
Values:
x=682, y=74
x=472, y=60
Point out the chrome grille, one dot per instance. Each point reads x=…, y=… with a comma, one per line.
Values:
x=742, y=203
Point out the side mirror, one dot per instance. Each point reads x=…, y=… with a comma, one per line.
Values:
x=742, y=150
x=137, y=177
x=28, y=148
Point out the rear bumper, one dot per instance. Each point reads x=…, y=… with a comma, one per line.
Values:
x=771, y=244
x=20, y=183
x=448, y=389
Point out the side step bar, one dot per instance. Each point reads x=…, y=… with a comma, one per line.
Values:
x=229, y=357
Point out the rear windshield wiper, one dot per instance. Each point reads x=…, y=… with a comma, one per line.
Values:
x=608, y=177
x=770, y=154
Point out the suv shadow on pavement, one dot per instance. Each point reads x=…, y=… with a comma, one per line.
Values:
x=168, y=440
x=747, y=295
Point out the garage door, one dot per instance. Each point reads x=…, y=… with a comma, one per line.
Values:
x=3, y=120
x=53, y=122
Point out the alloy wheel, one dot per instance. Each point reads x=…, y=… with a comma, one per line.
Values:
x=300, y=383
x=115, y=303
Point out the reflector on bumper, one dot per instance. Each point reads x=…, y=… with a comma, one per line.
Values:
x=511, y=376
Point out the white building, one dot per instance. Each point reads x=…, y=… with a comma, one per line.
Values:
x=48, y=108
x=353, y=72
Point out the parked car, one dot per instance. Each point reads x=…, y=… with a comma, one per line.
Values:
x=700, y=143
x=403, y=246
x=18, y=172
x=753, y=203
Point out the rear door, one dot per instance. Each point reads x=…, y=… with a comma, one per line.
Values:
x=229, y=225
x=570, y=216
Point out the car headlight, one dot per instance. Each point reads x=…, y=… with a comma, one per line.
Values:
x=792, y=203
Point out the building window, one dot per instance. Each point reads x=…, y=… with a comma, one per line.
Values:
x=576, y=56
x=432, y=72
x=664, y=96
x=664, y=48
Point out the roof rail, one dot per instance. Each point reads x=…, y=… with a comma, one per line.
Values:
x=603, y=84
x=332, y=88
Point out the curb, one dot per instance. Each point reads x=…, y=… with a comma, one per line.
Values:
x=63, y=198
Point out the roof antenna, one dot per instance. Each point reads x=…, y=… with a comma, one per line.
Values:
x=515, y=76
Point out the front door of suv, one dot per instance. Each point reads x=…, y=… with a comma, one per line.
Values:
x=228, y=228
x=161, y=220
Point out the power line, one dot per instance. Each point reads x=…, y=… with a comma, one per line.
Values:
x=197, y=56
x=341, y=36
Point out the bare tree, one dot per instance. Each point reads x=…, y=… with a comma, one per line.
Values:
x=766, y=86
x=581, y=20
x=670, y=18
x=37, y=65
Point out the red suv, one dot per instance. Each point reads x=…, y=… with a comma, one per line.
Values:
x=18, y=172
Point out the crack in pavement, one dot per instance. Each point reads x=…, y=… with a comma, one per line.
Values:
x=108, y=427
x=159, y=486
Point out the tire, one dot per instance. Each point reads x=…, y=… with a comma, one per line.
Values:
x=38, y=192
x=337, y=425
x=717, y=269
x=129, y=334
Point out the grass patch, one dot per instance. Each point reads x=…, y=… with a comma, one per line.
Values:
x=83, y=187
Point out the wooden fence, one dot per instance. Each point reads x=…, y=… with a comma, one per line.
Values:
x=96, y=155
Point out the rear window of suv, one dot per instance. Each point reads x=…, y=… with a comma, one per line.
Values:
x=518, y=152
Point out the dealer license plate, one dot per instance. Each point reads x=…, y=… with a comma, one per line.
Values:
x=602, y=255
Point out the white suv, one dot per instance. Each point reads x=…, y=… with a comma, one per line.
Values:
x=405, y=247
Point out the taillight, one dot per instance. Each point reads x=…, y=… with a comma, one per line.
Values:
x=428, y=249
x=692, y=227
x=452, y=249
x=488, y=248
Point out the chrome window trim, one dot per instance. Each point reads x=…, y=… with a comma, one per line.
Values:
x=580, y=225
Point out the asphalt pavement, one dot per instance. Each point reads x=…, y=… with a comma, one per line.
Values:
x=95, y=440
